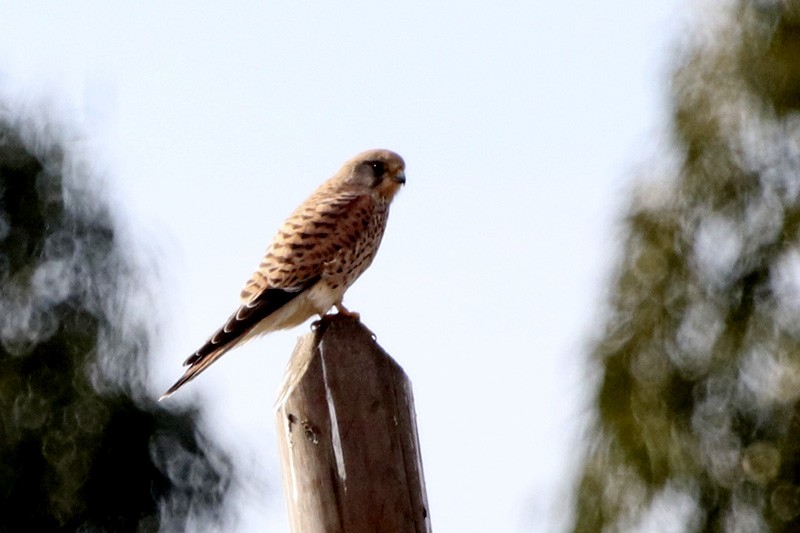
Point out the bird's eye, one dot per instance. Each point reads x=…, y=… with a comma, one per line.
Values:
x=378, y=168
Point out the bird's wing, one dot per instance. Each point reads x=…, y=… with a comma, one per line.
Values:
x=324, y=224
x=245, y=318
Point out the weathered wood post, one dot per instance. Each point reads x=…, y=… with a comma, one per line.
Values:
x=348, y=436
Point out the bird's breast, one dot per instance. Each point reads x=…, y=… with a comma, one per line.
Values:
x=350, y=262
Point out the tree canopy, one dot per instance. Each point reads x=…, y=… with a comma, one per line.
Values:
x=697, y=424
x=82, y=445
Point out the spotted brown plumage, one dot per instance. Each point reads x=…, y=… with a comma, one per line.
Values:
x=316, y=255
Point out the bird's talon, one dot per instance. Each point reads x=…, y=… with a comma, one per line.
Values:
x=344, y=312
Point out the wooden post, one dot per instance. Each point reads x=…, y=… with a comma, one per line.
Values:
x=348, y=436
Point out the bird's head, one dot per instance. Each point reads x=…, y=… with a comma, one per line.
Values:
x=381, y=171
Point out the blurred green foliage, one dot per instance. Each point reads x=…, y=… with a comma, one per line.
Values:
x=697, y=425
x=82, y=445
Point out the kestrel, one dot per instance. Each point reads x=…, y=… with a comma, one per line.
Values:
x=317, y=254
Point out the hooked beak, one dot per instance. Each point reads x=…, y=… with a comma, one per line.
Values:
x=400, y=177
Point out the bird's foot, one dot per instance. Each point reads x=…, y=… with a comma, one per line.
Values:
x=344, y=312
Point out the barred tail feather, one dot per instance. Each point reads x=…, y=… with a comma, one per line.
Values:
x=269, y=311
x=195, y=368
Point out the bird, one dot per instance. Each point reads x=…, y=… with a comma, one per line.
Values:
x=315, y=256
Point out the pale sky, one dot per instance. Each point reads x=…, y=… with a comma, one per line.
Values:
x=522, y=125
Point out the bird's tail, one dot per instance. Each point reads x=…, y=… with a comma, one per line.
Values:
x=194, y=368
x=267, y=312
